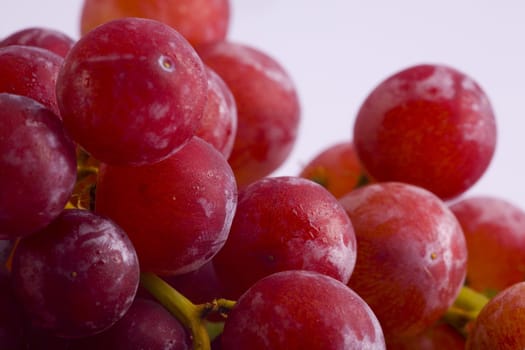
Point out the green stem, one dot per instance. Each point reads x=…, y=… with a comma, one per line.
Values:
x=183, y=309
x=465, y=309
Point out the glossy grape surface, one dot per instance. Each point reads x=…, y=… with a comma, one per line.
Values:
x=37, y=163
x=77, y=276
x=268, y=107
x=428, y=125
x=495, y=233
x=46, y=38
x=177, y=212
x=132, y=91
x=301, y=310
x=411, y=255
x=30, y=71
x=285, y=223
x=218, y=124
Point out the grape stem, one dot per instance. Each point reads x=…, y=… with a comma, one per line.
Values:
x=465, y=309
x=192, y=316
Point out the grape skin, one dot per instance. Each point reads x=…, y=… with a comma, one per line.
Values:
x=427, y=125
x=411, y=255
x=132, y=91
x=285, y=223
x=268, y=107
x=177, y=212
x=32, y=72
x=38, y=166
x=77, y=276
x=46, y=38
x=301, y=310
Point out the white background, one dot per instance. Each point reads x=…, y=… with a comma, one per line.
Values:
x=337, y=50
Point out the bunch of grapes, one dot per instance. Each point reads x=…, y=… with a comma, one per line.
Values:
x=138, y=208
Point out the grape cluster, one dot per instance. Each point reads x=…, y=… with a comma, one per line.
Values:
x=138, y=208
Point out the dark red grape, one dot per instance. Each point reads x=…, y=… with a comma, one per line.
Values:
x=46, y=38
x=132, y=91
x=411, y=255
x=199, y=21
x=77, y=276
x=437, y=337
x=428, y=125
x=38, y=167
x=177, y=212
x=146, y=325
x=268, y=107
x=285, y=223
x=32, y=72
x=301, y=310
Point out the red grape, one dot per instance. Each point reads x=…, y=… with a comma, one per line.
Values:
x=132, y=91
x=199, y=21
x=412, y=255
x=218, y=124
x=285, y=223
x=146, y=325
x=337, y=168
x=177, y=212
x=268, y=107
x=428, y=125
x=38, y=168
x=301, y=310
x=30, y=71
x=499, y=325
x=77, y=276
x=495, y=233
x=45, y=38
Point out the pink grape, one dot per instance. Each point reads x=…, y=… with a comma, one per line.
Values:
x=411, y=255
x=428, y=125
x=132, y=91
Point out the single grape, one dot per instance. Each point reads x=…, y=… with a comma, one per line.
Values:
x=132, y=91
x=301, y=310
x=50, y=39
x=494, y=229
x=428, y=125
x=32, y=72
x=218, y=124
x=412, y=256
x=146, y=325
x=177, y=212
x=268, y=108
x=284, y=223
x=499, y=325
x=199, y=21
x=337, y=168
x=38, y=167
x=77, y=276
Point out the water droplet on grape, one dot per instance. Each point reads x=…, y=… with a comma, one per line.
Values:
x=166, y=63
